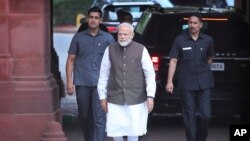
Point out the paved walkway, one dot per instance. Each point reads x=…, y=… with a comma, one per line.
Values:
x=71, y=125
x=162, y=128
x=68, y=105
x=70, y=121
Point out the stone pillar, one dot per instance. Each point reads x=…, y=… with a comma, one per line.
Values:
x=53, y=132
x=29, y=95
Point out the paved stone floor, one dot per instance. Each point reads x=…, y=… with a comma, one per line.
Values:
x=161, y=129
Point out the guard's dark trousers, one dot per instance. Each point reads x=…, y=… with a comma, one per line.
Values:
x=91, y=115
x=196, y=113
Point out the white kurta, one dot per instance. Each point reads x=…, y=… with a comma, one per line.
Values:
x=124, y=120
x=127, y=120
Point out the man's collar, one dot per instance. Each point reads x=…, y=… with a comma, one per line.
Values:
x=188, y=36
x=98, y=32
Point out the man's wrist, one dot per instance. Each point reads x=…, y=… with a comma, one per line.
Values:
x=150, y=97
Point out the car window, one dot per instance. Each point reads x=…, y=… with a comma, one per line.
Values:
x=165, y=3
x=109, y=14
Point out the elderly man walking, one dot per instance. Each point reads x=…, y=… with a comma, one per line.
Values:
x=126, y=86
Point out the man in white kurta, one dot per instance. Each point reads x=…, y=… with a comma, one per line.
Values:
x=126, y=86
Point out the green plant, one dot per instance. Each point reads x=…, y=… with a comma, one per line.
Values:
x=65, y=11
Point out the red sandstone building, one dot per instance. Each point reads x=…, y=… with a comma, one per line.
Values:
x=29, y=94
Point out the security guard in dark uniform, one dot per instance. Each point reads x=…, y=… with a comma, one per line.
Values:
x=82, y=72
x=191, y=56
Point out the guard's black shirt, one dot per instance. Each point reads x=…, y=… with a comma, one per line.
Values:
x=193, y=71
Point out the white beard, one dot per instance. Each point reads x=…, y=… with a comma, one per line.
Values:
x=124, y=43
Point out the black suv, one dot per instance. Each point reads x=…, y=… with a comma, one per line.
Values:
x=230, y=66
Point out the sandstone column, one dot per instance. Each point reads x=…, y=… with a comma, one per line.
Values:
x=29, y=95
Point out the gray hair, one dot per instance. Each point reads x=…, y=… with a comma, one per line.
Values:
x=126, y=24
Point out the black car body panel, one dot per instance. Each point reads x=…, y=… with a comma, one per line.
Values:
x=231, y=63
